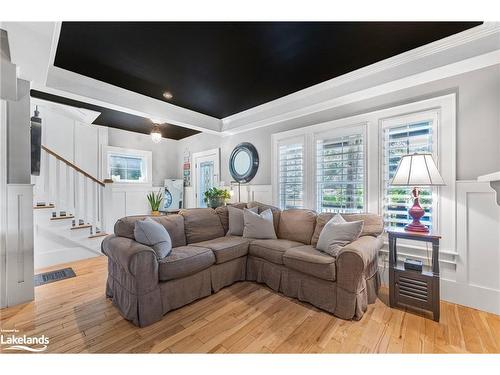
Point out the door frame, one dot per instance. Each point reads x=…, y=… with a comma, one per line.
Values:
x=194, y=157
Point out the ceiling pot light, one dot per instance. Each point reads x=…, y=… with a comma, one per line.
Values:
x=167, y=95
x=156, y=134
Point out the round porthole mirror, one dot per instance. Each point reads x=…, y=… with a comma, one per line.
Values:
x=244, y=162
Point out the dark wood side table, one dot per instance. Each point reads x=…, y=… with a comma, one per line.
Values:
x=409, y=287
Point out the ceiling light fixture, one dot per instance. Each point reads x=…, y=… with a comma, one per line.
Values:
x=156, y=134
x=167, y=95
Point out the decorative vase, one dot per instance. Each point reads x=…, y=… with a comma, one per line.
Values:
x=155, y=213
x=216, y=202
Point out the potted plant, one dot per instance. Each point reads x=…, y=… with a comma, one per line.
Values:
x=155, y=200
x=215, y=197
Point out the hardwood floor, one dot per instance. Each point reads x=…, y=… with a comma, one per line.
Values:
x=243, y=318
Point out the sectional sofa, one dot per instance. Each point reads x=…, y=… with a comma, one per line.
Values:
x=204, y=260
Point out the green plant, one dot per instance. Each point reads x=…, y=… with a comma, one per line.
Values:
x=215, y=193
x=155, y=200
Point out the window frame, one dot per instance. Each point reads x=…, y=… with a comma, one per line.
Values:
x=341, y=131
x=398, y=120
x=445, y=147
x=276, y=170
x=146, y=156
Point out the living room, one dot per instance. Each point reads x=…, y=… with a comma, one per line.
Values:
x=278, y=185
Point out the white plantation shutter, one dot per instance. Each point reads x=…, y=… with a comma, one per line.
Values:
x=399, y=140
x=291, y=174
x=340, y=175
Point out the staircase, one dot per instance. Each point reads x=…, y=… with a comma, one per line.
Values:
x=69, y=211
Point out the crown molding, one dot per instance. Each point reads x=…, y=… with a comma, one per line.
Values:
x=83, y=115
x=464, y=66
x=458, y=53
x=78, y=87
x=241, y=120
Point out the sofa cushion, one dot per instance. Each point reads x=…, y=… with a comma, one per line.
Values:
x=174, y=224
x=258, y=225
x=337, y=233
x=226, y=248
x=271, y=250
x=373, y=224
x=262, y=207
x=201, y=224
x=297, y=225
x=308, y=260
x=184, y=261
x=151, y=233
x=236, y=220
x=222, y=212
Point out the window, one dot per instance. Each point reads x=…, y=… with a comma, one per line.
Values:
x=291, y=174
x=126, y=168
x=346, y=165
x=398, y=140
x=127, y=165
x=340, y=173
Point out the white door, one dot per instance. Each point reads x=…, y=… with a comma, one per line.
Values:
x=207, y=174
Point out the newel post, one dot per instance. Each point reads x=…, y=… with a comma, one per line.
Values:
x=107, y=206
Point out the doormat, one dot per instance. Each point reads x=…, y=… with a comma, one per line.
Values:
x=52, y=276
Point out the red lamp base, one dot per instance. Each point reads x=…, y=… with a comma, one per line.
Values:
x=418, y=227
x=416, y=212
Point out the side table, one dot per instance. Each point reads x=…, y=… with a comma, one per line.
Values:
x=409, y=287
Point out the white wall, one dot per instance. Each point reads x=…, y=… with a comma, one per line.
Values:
x=478, y=124
x=166, y=159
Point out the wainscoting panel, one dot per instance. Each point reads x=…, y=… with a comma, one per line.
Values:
x=130, y=200
x=260, y=193
x=19, y=244
x=478, y=245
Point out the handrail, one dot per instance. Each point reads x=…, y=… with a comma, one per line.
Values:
x=78, y=169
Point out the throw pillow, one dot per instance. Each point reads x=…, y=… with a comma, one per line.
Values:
x=258, y=226
x=149, y=232
x=236, y=221
x=337, y=233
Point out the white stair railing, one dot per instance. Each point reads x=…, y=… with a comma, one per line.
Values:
x=77, y=194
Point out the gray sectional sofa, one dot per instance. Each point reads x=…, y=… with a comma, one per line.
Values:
x=204, y=260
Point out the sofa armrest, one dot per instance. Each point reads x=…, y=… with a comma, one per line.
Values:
x=357, y=262
x=138, y=261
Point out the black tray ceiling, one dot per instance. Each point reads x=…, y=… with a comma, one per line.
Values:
x=117, y=119
x=221, y=68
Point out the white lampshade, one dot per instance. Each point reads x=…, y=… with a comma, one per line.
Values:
x=417, y=170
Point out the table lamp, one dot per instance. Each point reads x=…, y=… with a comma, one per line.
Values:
x=417, y=170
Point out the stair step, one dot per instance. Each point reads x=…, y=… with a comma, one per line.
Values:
x=62, y=217
x=42, y=207
x=82, y=226
x=100, y=234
